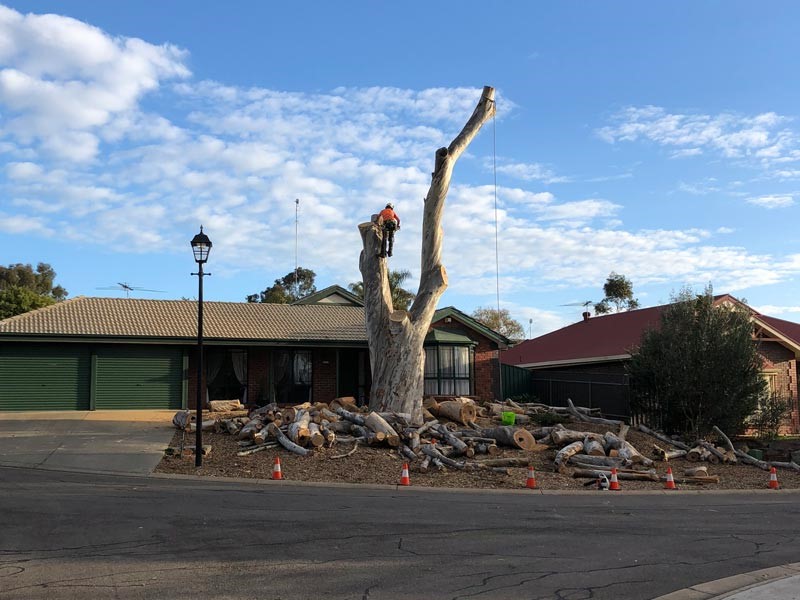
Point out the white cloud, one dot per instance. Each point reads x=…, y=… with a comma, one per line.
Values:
x=23, y=170
x=62, y=79
x=773, y=201
x=527, y=172
x=773, y=311
x=730, y=134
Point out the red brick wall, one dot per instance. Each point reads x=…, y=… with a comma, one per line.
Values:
x=323, y=375
x=487, y=361
x=780, y=360
x=258, y=375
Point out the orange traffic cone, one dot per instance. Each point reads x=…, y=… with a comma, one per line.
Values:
x=276, y=469
x=531, y=482
x=614, y=485
x=404, y=478
x=670, y=484
x=773, y=479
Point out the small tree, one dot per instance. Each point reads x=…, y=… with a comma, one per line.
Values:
x=23, y=289
x=700, y=368
x=401, y=298
x=287, y=289
x=500, y=321
x=768, y=418
x=618, y=291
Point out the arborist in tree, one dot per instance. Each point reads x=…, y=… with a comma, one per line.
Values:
x=389, y=222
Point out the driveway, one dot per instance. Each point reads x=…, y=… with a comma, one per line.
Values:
x=103, y=441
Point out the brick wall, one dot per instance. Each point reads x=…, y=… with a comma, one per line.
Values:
x=323, y=375
x=780, y=360
x=487, y=361
x=258, y=364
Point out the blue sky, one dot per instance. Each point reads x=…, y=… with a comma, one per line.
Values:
x=661, y=142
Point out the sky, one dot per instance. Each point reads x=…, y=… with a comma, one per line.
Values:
x=661, y=142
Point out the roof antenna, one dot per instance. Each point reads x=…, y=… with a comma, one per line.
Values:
x=296, y=223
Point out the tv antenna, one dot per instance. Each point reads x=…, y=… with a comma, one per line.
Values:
x=296, y=223
x=128, y=288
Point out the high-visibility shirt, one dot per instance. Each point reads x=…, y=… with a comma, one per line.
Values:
x=388, y=214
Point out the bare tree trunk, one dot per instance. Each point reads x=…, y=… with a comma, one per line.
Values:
x=396, y=336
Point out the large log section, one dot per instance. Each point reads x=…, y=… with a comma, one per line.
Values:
x=396, y=336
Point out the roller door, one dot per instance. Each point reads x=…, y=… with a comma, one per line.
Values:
x=44, y=377
x=132, y=377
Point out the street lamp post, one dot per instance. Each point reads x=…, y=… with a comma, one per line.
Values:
x=201, y=246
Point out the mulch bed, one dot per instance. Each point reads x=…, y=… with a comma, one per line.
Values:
x=381, y=465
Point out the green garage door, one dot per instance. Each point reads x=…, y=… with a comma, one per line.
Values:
x=44, y=377
x=139, y=377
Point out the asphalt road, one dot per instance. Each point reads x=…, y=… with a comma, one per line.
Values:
x=67, y=535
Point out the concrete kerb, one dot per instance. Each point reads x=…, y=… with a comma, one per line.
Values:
x=735, y=586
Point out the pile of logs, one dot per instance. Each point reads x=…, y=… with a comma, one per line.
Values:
x=455, y=442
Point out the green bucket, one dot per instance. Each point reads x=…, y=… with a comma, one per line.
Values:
x=757, y=454
x=508, y=418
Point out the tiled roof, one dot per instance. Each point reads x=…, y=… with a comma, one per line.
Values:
x=600, y=337
x=451, y=311
x=611, y=337
x=130, y=317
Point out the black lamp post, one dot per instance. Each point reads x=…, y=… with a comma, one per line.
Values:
x=201, y=246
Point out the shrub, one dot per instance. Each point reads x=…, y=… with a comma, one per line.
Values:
x=769, y=416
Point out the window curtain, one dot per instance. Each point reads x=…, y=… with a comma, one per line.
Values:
x=213, y=365
x=239, y=360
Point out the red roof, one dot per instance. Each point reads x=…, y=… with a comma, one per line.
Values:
x=611, y=337
x=594, y=339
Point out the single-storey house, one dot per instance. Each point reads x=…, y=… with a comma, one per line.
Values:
x=104, y=353
x=587, y=359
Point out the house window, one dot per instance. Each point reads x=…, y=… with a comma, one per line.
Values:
x=448, y=370
x=772, y=382
x=292, y=376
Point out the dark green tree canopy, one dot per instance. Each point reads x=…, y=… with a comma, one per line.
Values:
x=618, y=291
x=287, y=289
x=500, y=321
x=699, y=369
x=23, y=289
x=401, y=298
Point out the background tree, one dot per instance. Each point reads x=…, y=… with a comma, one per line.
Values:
x=396, y=337
x=401, y=298
x=23, y=289
x=500, y=321
x=618, y=291
x=284, y=290
x=699, y=369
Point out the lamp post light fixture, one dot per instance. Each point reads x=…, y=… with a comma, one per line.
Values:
x=201, y=246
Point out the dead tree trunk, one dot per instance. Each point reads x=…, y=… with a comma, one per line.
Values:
x=396, y=336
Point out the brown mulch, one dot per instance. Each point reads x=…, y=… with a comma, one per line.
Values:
x=382, y=465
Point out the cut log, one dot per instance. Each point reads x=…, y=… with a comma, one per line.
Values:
x=288, y=414
x=208, y=425
x=719, y=455
x=298, y=430
x=584, y=417
x=345, y=402
x=254, y=449
x=230, y=426
x=343, y=426
x=433, y=452
x=785, y=465
x=505, y=462
x=350, y=416
x=369, y=436
x=631, y=476
x=329, y=415
x=623, y=430
x=327, y=432
x=667, y=455
x=461, y=412
x=182, y=419
x=593, y=447
x=696, y=471
x=663, y=438
x=379, y=425
x=407, y=452
x=695, y=454
x=459, y=447
x=626, y=449
x=599, y=461
x=560, y=436
x=423, y=466
x=513, y=437
x=730, y=451
x=563, y=455
x=285, y=441
x=224, y=405
x=427, y=425
x=315, y=435
x=746, y=458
